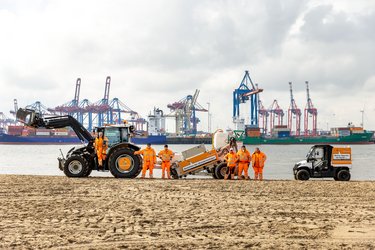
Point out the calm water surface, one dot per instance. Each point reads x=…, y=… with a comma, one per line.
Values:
x=41, y=159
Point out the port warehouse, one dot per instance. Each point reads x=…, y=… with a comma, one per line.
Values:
x=263, y=121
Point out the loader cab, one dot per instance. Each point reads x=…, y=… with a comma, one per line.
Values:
x=116, y=134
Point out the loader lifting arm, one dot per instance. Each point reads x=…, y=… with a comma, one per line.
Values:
x=31, y=118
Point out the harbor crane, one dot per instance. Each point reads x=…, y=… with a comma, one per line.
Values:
x=310, y=112
x=247, y=91
x=72, y=108
x=184, y=111
x=263, y=117
x=276, y=115
x=294, y=113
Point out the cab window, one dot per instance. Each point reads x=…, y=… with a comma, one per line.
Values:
x=113, y=135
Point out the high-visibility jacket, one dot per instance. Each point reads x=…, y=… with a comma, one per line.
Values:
x=166, y=155
x=244, y=156
x=101, y=145
x=231, y=159
x=258, y=159
x=148, y=154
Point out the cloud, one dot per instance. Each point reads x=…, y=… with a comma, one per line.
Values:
x=157, y=52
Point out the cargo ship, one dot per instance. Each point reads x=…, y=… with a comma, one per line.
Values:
x=281, y=136
x=25, y=135
x=251, y=136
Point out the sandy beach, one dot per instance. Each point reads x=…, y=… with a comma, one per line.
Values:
x=106, y=213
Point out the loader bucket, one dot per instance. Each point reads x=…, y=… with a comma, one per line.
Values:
x=26, y=116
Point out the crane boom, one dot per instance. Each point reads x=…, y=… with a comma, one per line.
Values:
x=76, y=94
x=107, y=86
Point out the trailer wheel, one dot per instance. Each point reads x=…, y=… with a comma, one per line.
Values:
x=214, y=174
x=303, y=175
x=76, y=166
x=343, y=175
x=220, y=170
x=173, y=171
x=123, y=163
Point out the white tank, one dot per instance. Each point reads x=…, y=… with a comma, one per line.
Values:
x=220, y=139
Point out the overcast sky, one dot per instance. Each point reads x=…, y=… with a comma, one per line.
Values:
x=159, y=51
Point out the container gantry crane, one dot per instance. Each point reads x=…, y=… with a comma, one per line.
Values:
x=310, y=111
x=247, y=91
x=263, y=117
x=294, y=113
x=72, y=108
x=276, y=115
x=184, y=111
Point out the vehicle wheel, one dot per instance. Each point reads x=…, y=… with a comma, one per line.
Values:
x=343, y=175
x=123, y=163
x=220, y=170
x=303, y=175
x=88, y=172
x=214, y=174
x=295, y=176
x=174, y=172
x=76, y=166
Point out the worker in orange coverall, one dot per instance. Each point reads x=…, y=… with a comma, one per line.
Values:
x=258, y=159
x=149, y=160
x=244, y=159
x=101, y=146
x=166, y=156
x=231, y=159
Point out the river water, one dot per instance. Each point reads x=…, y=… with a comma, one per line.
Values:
x=41, y=160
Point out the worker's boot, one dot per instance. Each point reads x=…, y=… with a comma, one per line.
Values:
x=225, y=177
x=151, y=176
x=261, y=177
x=232, y=176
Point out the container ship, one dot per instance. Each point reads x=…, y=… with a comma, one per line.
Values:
x=281, y=135
x=25, y=135
x=252, y=136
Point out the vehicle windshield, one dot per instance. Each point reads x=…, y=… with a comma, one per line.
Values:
x=309, y=154
x=113, y=135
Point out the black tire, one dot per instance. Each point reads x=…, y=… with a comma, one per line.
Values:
x=220, y=170
x=343, y=175
x=214, y=174
x=303, y=175
x=88, y=172
x=133, y=160
x=174, y=171
x=76, y=166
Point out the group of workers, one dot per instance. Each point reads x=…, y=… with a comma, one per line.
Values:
x=149, y=160
x=242, y=160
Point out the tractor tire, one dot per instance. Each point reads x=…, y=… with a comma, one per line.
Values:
x=303, y=175
x=88, y=172
x=220, y=170
x=343, y=175
x=76, y=166
x=122, y=163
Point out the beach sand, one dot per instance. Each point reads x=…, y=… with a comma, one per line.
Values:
x=107, y=213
